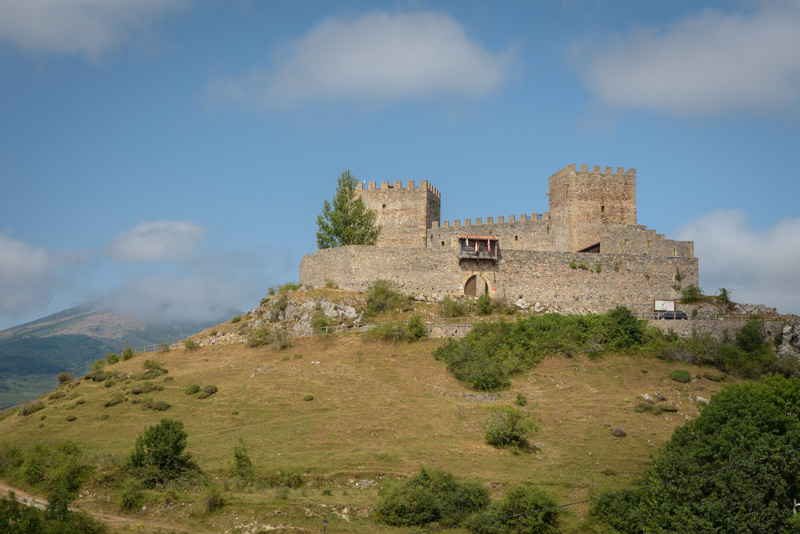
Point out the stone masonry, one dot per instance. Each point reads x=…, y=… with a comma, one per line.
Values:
x=586, y=252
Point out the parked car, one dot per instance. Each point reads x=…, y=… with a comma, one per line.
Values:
x=673, y=315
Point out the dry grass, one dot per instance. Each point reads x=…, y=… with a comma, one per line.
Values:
x=379, y=410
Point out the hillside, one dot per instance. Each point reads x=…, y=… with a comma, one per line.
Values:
x=32, y=354
x=379, y=411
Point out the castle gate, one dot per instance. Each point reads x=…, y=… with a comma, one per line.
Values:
x=476, y=286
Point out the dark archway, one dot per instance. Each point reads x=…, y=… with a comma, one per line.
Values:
x=476, y=286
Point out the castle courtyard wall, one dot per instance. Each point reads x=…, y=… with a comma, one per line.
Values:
x=535, y=276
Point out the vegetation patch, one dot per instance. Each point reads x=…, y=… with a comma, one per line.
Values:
x=681, y=375
x=508, y=427
x=397, y=331
x=159, y=455
x=191, y=389
x=383, y=296
x=207, y=392
x=523, y=509
x=431, y=496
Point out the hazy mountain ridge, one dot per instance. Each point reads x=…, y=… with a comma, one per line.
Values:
x=70, y=340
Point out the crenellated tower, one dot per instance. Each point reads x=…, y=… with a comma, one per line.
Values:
x=405, y=213
x=585, y=205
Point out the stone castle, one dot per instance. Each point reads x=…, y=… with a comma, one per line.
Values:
x=587, y=253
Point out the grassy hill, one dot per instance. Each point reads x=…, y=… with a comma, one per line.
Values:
x=33, y=353
x=379, y=411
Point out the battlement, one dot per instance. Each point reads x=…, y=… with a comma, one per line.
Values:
x=571, y=170
x=524, y=217
x=398, y=184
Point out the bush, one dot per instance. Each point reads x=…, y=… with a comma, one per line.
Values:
x=277, y=337
x=213, y=499
x=430, y=496
x=242, y=465
x=71, y=418
x=113, y=401
x=287, y=478
x=752, y=336
x=416, y=328
x=31, y=407
x=681, y=375
x=383, y=296
x=308, y=398
x=453, y=308
x=279, y=290
x=690, y=294
x=56, y=395
x=207, y=392
x=484, y=305
x=159, y=455
x=112, y=358
x=236, y=319
x=192, y=389
x=522, y=400
x=507, y=426
x=64, y=377
x=131, y=497
x=522, y=510
x=156, y=406
x=190, y=344
x=146, y=387
x=714, y=377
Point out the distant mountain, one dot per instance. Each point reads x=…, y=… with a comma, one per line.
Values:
x=32, y=354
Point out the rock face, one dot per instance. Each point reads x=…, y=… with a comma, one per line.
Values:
x=790, y=340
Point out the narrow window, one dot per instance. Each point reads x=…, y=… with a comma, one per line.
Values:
x=516, y=238
x=649, y=243
x=442, y=243
x=624, y=241
x=384, y=206
x=602, y=209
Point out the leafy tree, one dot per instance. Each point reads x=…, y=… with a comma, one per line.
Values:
x=346, y=220
x=159, y=454
x=732, y=469
x=522, y=510
x=752, y=335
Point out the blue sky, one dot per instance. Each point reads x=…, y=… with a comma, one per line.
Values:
x=173, y=154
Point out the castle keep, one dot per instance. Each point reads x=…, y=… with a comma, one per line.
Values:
x=587, y=253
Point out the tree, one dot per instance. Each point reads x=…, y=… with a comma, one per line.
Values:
x=346, y=220
x=732, y=469
x=159, y=453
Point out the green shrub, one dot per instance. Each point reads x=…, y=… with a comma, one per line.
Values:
x=522, y=400
x=190, y=344
x=287, y=478
x=321, y=324
x=416, y=328
x=31, y=407
x=64, y=377
x=752, y=336
x=277, y=337
x=56, y=395
x=525, y=509
x=71, y=417
x=159, y=455
x=285, y=288
x=131, y=496
x=308, y=398
x=213, y=499
x=330, y=284
x=192, y=389
x=113, y=401
x=714, y=377
x=127, y=354
x=242, y=465
x=681, y=375
x=297, y=356
x=383, y=296
x=156, y=406
x=430, y=496
x=112, y=358
x=483, y=305
x=207, y=392
x=394, y=331
x=690, y=294
x=153, y=364
x=236, y=319
x=453, y=308
x=507, y=426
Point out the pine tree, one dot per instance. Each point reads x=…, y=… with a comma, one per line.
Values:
x=346, y=220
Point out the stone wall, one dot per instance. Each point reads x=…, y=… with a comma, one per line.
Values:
x=535, y=276
x=512, y=235
x=639, y=239
x=404, y=213
x=584, y=204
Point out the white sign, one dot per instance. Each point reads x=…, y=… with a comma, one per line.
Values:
x=665, y=305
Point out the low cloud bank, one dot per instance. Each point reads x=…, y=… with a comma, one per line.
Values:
x=760, y=266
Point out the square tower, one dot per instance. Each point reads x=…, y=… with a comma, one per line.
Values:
x=404, y=213
x=585, y=205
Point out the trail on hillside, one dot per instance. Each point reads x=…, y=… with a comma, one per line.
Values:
x=110, y=519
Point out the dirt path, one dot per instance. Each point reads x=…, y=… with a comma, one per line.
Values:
x=113, y=521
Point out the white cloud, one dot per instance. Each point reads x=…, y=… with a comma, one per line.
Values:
x=708, y=63
x=77, y=26
x=153, y=241
x=760, y=266
x=30, y=275
x=377, y=58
